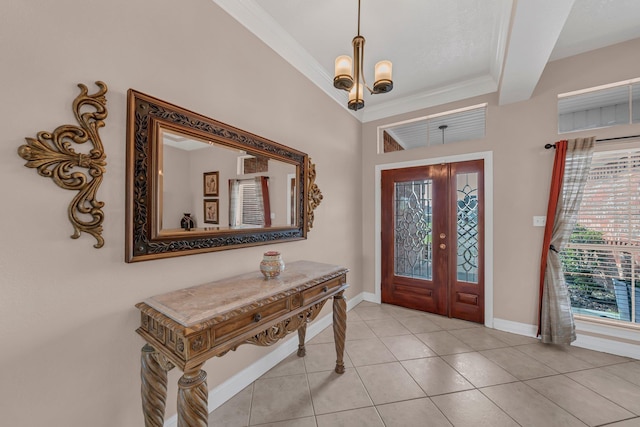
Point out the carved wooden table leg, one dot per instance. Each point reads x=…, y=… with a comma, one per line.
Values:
x=192, y=399
x=339, y=329
x=153, y=373
x=302, y=333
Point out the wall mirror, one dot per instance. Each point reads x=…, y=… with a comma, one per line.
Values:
x=197, y=185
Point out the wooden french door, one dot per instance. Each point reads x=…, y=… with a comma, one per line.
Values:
x=433, y=239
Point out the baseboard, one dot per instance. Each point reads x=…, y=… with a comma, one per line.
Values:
x=371, y=297
x=618, y=348
x=237, y=383
x=515, y=327
x=623, y=341
x=590, y=342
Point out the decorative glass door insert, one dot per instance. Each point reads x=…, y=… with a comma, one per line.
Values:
x=413, y=229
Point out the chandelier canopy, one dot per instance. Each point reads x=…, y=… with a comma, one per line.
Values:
x=349, y=75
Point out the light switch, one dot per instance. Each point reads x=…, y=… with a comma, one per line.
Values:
x=539, y=221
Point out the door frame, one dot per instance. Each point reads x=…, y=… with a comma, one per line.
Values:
x=487, y=156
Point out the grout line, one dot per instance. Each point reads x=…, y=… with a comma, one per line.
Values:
x=518, y=347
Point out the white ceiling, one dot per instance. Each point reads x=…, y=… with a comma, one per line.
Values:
x=442, y=51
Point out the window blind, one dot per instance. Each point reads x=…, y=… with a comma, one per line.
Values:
x=601, y=262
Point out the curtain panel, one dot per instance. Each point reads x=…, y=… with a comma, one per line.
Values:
x=571, y=169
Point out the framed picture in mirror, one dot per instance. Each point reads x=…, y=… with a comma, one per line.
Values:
x=211, y=211
x=210, y=184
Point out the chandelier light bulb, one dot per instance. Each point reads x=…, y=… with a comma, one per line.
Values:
x=383, y=82
x=343, y=73
x=356, y=102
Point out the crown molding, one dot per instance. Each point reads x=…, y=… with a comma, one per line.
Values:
x=263, y=26
x=465, y=89
x=267, y=29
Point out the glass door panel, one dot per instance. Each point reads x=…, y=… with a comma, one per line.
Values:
x=467, y=227
x=413, y=255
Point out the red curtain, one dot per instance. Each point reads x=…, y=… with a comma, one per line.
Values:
x=556, y=187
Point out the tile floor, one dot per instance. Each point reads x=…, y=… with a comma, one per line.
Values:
x=406, y=368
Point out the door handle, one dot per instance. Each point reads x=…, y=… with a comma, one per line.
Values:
x=443, y=246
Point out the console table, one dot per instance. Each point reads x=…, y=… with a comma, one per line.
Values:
x=187, y=327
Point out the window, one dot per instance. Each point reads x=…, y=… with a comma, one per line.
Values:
x=250, y=205
x=603, y=106
x=602, y=261
x=464, y=124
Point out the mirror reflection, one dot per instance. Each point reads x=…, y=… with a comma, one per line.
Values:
x=206, y=186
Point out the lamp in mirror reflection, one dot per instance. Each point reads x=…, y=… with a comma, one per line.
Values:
x=350, y=77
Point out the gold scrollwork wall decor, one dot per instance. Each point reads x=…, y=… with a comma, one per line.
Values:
x=54, y=157
x=315, y=195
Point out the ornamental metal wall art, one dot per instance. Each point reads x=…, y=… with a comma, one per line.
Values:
x=315, y=195
x=54, y=155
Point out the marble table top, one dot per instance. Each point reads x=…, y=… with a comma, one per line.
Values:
x=196, y=304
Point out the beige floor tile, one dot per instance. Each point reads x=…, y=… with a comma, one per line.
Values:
x=365, y=417
x=322, y=357
x=331, y=392
x=554, y=357
x=478, y=370
x=425, y=389
x=627, y=423
x=407, y=347
x=325, y=336
x=292, y=365
x=280, y=399
x=387, y=327
x=628, y=371
x=584, y=404
x=596, y=358
x=364, y=304
x=435, y=376
x=419, y=324
x=610, y=386
x=398, y=312
x=358, y=331
x=443, y=343
x=478, y=338
x=450, y=324
x=517, y=363
x=528, y=407
x=372, y=313
x=235, y=411
x=512, y=339
x=472, y=409
x=353, y=316
x=388, y=383
x=299, y=422
x=368, y=352
x=412, y=413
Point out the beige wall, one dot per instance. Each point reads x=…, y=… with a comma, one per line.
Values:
x=69, y=355
x=516, y=134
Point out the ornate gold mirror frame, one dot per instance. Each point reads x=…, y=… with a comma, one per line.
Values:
x=54, y=156
x=146, y=117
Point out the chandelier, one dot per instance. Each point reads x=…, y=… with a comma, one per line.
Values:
x=354, y=81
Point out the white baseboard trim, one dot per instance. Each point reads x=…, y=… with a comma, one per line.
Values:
x=235, y=384
x=371, y=297
x=619, y=348
x=589, y=342
x=515, y=327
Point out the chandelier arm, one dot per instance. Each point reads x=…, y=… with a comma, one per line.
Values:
x=364, y=80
